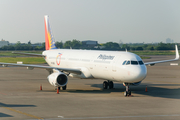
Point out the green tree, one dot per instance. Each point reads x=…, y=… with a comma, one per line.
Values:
x=139, y=48
x=163, y=46
x=67, y=44
x=125, y=46
x=29, y=43
x=59, y=44
x=150, y=47
x=111, y=46
x=76, y=44
x=18, y=46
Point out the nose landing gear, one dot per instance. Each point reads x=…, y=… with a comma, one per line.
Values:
x=127, y=92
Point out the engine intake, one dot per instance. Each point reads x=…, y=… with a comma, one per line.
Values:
x=58, y=79
x=62, y=79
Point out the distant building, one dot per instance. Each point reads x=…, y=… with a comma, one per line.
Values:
x=168, y=40
x=89, y=43
x=3, y=43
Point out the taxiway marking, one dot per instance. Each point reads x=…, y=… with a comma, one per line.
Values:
x=23, y=113
x=115, y=117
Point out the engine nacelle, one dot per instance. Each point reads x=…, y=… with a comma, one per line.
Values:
x=58, y=79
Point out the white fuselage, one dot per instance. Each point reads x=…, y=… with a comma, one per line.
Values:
x=99, y=64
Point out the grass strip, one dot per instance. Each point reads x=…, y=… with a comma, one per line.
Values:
x=145, y=57
x=25, y=60
x=9, y=53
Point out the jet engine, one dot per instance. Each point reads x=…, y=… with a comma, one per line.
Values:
x=57, y=79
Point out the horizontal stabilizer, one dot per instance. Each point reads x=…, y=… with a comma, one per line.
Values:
x=30, y=54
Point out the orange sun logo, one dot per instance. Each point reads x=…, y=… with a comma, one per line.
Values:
x=58, y=59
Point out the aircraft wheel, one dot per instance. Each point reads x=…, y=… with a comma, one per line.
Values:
x=105, y=85
x=125, y=93
x=111, y=85
x=64, y=87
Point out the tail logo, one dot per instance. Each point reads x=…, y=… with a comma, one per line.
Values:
x=50, y=42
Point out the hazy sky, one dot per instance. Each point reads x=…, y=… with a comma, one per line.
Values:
x=101, y=20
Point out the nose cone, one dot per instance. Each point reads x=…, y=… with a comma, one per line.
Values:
x=140, y=73
x=136, y=74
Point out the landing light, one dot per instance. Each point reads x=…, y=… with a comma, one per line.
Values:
x=30, y=68
x=4, y=65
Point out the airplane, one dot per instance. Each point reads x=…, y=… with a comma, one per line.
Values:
x=121, y=66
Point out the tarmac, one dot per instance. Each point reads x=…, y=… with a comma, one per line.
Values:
x=84, y=99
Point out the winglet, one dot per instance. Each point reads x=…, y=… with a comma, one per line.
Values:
x=177, y=52
x=49, y=39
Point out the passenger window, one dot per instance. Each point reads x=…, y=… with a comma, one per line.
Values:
x=134, y=63
x=128, y=63
x=141, y=62
x=124, y=63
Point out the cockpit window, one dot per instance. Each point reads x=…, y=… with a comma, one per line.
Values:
x=128, y=63
x=141, y=62
x=134, y=63
x=124, y=63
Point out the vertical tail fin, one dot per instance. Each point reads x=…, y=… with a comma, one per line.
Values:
x=49, y=40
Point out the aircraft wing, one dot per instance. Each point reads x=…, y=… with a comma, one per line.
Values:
x=68, y=70
x=155, y=62
x=31, y=54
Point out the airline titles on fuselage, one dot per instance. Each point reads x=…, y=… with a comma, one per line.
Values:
x=105, y=57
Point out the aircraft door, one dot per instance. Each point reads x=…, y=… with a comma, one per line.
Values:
x=91, y=64
x=114, y=64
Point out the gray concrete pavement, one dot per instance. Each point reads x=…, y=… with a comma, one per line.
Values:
x=20, y=97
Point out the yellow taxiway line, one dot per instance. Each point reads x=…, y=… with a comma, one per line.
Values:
x=23, y=113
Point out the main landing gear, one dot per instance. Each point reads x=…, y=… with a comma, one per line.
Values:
x=107, y=84
x=63, y=88
x=127, y=92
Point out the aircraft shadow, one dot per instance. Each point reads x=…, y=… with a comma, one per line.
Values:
x=5, y=115
x=154, y=90
x=15, y=105
x=100, y=91
x=158, y=90
x=12, y=105
x=78, y=91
